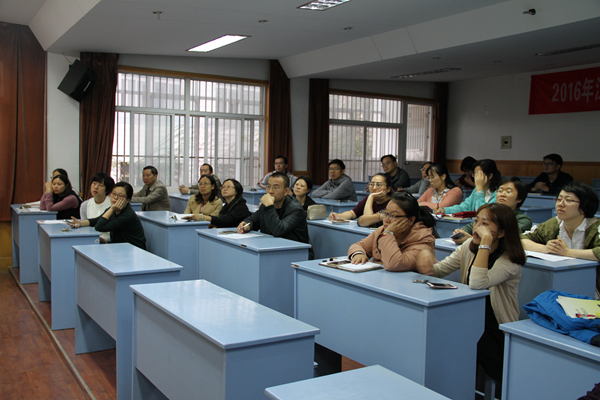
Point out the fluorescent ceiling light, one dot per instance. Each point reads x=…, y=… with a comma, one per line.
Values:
x=435, y=71
x=322, y=5
x=571, y=50
x=219, y=42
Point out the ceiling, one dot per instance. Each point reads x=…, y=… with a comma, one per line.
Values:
x=483, y=38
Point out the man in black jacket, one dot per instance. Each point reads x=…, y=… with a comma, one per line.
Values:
x=279, y=215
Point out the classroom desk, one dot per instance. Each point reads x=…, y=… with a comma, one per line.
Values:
x=179, y=202
x=374, y=382
x=360, y=185
x=542, y=200
x=379, y=317
x=361, y=194
x=56, y=270
x=253, y=196
x=538, y=214
x=136, y=206
x=337, y=206
x=172, y=239
x=543, y=364
x=193, y=339
x=24, y=229
x=445, y=227
x=332, y=239
x=254, y=267
x=573, y=276
x=104, y=308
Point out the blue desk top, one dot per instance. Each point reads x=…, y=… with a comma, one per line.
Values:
x=56, y=231
x=222, y=317
x=178, y=195
x=330, y=202
x=165, y=218
x=526, y=208
x=121, y=259
x=465, y=221
x=264, y=243
x=374, y=382
x=396, y=284
x=16, y=208
x=532, y=262
x=534, y=332
x=255, y=192
x=352, y=226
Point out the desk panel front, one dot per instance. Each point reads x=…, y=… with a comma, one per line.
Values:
x=331, y=240
x=378, y=317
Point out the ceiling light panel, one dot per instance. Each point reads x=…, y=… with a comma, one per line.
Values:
x=435, y=71
x=322, y=5
x=219, y=42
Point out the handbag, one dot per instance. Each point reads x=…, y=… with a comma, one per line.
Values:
x=316, y=211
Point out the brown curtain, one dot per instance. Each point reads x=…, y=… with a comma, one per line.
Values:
x=280, y=117
x=440, y=127
x=318, y=130
x=97, y=119
x=22, y=122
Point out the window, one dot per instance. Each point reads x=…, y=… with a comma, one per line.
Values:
x=178, y=124
x=363, y=129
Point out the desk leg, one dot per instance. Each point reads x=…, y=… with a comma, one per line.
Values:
x=44, y=288
x=89, y=336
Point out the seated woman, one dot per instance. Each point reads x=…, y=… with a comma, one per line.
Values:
x=235, y=210
x=466, y=179
x=60, y=197
x=512, y=192
x=206, y=201
x=421, y=186
x=406, y=231
x=574, y=230
x=492, y=260
x=119, y=220
x=302, y=188
x=487, y=178
x=380, y=189
x=443, y=192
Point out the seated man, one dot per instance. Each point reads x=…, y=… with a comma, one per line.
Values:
x=279, y=215
x=552, y=179
x=154, y=195
x=281, y=165
x=398, y=176
x=205, y=169
x=339, y=186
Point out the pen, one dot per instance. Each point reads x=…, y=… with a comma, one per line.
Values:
x=586, y=315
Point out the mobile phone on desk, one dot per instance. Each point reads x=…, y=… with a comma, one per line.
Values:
x=439, y=285
x=457, y=235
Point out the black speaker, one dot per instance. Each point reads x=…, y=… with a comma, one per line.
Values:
x=79, y=80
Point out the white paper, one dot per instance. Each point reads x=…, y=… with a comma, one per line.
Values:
x=241, y=235
x=547, y=257
x=52, y=221
x=181, y=216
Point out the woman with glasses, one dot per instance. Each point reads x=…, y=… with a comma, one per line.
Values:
x=487, y=178
x=574, y=232
x=234, y=211
x=61, y=197
x=119, y=220
x=512, y=192
x=380, y=188
x=443, y=192
x=491, y=259
x=206, y=202
x=406, y=231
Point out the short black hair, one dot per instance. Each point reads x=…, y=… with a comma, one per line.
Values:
x=61, y=172
x=555, y=158
x=239, y=189
x=441, y=169
x=411, y=208
x=338, y=162
x=392, y=157
x=214, y=191
x=152, y=169
x=68, y=188
x=588, y=199
x=467, y=164
x=522, y=188
x=208, y=165
x=283, y=157
x=128, y=188
x=104, y=179
x=489, y=167
x=286, y=179
x=309, y=182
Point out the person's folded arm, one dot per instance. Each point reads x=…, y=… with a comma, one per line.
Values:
x=281, y=226
x=399, y=259
x=154, y=196
x=66, y=203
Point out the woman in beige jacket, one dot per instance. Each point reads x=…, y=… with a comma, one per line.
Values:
x=406, y=231
x=491, y=260
x=206, y=201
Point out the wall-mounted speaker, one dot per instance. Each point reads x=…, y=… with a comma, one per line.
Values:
x=79, y=81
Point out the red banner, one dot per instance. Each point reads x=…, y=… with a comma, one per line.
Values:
x=565, y=92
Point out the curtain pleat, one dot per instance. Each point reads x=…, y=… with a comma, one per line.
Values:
x=318, y=130
x=440, y=127
x=280, y=117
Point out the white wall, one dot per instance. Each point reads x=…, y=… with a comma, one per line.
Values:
x=62, y=119
x=481, y=111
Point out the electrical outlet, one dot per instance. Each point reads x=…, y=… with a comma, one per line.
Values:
x=505, y=142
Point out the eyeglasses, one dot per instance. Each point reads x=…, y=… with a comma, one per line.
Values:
x=507, y=192
x=548, y=164
x=118, y=196
x=227, y=187
x=334, y=168
x=565, y=201
x=376, y=184
x=385, y=214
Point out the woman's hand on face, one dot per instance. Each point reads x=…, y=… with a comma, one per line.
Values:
x=359, y=259
x=379, y=196
x=399, y=227
x=425, y=261
x=119, y=205
x=485, y=234
x=469, y=181
x=480, y=180
x=48, y=187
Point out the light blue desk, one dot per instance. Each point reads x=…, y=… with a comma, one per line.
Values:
x=542, y=200
x=360, y=186
x=374, y=382
x=543, y=364
x=361, y=194
x=379, y=317
x=136, y=206
x=538, y=214
x=573, y=276
x=104, y=308
x=253, y=196
x=24, y=229
x=445, y=227
x=336, y=206
x=173, y=240
x=334, y=240
x=56, y=279
x=257, y=268
x=179, y=202
x=195, y=340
